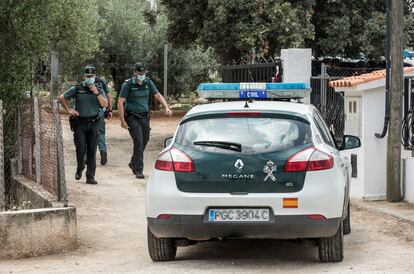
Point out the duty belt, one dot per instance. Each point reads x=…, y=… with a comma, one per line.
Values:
x=137, y=114
x=92, y=119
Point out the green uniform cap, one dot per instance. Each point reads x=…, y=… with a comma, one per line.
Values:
x=140, y=67
x=90, y=70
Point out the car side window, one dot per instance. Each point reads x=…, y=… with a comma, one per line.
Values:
x=323, y=129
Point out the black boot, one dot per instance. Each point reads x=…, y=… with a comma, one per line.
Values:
x=139, y=175
x=131, y=166
x=78, y=174
x=104, y=158
x=91, y=181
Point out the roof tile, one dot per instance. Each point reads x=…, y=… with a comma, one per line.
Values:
x=363, y=78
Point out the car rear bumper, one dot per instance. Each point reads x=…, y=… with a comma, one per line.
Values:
x=196, y=227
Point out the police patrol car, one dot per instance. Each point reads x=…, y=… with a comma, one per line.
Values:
x=250, y=169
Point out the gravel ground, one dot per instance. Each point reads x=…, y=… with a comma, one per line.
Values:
x=112, y=229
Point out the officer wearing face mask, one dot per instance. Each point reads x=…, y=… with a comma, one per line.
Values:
x=89, y=99
x=135, y=94
x=103, y=114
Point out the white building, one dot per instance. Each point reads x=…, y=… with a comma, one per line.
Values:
x=364, y=116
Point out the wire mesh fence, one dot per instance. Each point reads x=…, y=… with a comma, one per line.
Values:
x=33, y=137
x=10, y=148
x=2, y=182
x=184, y=72
x=330, y=103
x=407, y=133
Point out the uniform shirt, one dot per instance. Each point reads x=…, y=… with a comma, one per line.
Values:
x=86, y=103
x=137, y=96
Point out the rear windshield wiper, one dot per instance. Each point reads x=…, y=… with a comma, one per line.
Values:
x=224, y=145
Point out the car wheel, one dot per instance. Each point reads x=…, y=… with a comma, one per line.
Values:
x=161, y=249
x=331, y=249
x=347, y=221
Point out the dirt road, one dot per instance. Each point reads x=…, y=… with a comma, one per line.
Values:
x=112, y=230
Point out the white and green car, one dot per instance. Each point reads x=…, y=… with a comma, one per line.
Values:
x=250, y=170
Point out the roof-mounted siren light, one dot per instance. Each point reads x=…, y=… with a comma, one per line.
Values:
x=248, y=91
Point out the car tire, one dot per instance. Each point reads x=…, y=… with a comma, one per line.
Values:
x=331, y=249
x=347, y=221
x=160, y=249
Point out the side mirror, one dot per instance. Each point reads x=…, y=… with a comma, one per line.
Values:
x=350, y=142
x=168, y=141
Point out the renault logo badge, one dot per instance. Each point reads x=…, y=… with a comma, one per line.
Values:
x=239, y=165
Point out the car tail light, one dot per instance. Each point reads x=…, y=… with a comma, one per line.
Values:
x=164, y=162
x=244, y=114
x=320, y=161
x=309, y=159
x=174, y=160
x=299, y=161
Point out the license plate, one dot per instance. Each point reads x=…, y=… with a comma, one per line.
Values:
x=239, y=215
x=252, y=94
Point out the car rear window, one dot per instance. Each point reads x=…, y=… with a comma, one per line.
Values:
x=256, y=135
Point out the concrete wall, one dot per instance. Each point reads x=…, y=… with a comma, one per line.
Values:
x=408, y=178
x=24, y=190
x=375, y=150
x=37, y=232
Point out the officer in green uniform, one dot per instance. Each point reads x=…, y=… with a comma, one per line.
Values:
x=88, y=101
x=135, y=94
x=104, y=113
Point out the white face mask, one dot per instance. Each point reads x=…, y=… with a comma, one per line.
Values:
x=141, y=77
x=90, y=80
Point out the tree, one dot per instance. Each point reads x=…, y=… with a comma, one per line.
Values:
x=237, y=28
x=29, y=30
x=242, y=28
x=131, y=32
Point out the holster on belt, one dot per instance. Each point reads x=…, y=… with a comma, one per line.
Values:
x=74, y=122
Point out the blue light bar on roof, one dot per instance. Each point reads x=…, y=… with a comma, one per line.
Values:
x=253, y=90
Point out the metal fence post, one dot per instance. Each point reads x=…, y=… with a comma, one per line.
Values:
x=2, y=181
x=165, y=70
x=19, y=142
x=60, y=157
x=323, y=88
x=37, y=139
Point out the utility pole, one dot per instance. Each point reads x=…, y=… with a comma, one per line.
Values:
x=165, y=70
x=397, y=85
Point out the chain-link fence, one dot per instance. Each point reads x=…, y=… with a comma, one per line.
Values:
x=408, y=115
x=32, y=136
x=9, y=132
x=184, y=72
x=326, y=100
x=2, y=182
